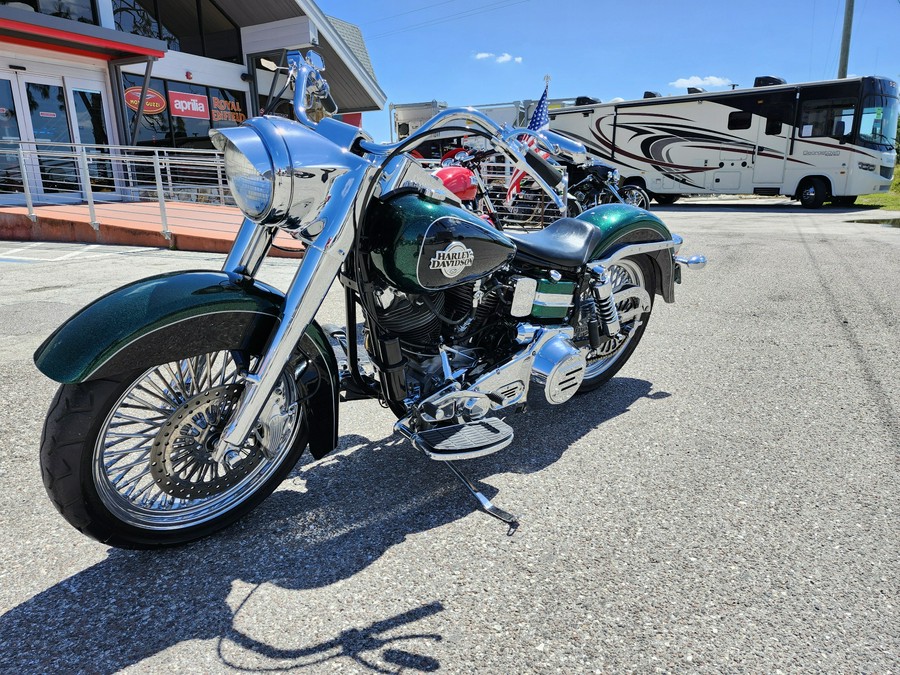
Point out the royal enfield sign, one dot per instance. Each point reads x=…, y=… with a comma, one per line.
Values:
x=154, y=104
x=189, y=105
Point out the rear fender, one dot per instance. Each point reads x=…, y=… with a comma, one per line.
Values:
x=183, y=314
x=622, y=225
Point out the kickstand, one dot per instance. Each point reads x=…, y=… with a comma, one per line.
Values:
x=486, y=504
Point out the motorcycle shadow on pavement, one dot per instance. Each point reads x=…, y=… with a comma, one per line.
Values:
x=331, y=520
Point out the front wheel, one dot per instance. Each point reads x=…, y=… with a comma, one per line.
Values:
x=812, y=193
x=605, y=361
x=130, y=460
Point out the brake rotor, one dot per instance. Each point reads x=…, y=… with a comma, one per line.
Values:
x=182, y=457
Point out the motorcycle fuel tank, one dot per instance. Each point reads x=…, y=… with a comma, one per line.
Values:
x=425, y=245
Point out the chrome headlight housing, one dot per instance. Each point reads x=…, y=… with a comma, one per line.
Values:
x=281, y=173
x=613, y=176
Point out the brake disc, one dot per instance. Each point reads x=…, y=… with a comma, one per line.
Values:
x=182, y=458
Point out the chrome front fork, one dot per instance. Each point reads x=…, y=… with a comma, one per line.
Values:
x=321, y=264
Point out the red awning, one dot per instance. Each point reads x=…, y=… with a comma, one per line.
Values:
x=97, y=42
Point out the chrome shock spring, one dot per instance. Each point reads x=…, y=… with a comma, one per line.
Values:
x=606, y=304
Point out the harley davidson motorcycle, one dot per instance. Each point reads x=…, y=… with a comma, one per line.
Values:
x=187, y=398
x=597, y=183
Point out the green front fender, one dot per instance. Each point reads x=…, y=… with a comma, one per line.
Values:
x=623, y=224
x=178, y=315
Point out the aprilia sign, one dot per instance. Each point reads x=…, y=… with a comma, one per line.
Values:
x=188, y=105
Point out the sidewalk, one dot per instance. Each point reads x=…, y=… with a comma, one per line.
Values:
x=192, y=227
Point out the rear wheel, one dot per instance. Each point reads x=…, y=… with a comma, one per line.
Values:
x=812, y=193
x=605, y=361
x=635, y=196
x=131, y=461
x=665, y=200
x=848, y=200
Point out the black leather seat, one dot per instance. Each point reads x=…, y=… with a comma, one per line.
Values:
x=566, y=244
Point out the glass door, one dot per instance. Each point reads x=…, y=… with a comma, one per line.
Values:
x=49, y=117
x=91, y=124
x=10, y=135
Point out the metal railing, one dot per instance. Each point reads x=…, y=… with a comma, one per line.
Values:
x=110, y=180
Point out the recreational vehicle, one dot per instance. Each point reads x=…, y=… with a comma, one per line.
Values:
x=816, y=142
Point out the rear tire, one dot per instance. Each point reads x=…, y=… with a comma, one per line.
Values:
x=127, y=460
x=848, y=200
x=665, y=200
x=635, y=196
x=606, y=361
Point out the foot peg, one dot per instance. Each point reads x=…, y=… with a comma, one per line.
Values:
x=464, y=441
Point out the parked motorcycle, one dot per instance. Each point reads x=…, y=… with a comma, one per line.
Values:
x=187, y=397
x=597, y=183
x=461, y=173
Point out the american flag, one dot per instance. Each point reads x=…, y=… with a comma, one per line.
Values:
x=540, y=121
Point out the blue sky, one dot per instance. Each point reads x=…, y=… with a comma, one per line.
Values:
x=469, y=52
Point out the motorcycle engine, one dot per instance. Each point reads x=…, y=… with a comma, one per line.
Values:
x=475, y=323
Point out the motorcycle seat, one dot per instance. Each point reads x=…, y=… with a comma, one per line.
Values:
x=566, y=244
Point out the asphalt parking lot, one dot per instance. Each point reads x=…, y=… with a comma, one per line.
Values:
x=729, y=502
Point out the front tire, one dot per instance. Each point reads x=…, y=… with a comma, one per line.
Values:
x=129, y=460
x=604, y=362
x=812, y=193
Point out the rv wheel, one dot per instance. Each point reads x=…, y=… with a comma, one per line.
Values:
x=665, y=200
x=811, y=193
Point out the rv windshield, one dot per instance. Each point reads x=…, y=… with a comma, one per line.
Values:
x=878, y=122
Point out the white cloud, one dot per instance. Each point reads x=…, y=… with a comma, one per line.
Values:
x=695, y=81
x=498, y=58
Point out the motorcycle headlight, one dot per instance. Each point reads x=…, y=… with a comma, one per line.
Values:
x=281, y=173
x=249, y=171
x=613, y=176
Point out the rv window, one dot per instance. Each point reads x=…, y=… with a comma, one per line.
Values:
x=827, y=118
x=773, y=127
x=739, y=120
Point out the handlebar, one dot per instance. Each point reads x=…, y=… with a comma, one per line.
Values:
x=310, y=85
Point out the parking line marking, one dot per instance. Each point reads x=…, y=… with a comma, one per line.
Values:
x=76, y=253
x=21, y=248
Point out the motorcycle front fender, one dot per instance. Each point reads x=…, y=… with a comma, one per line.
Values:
x=623, y=225
x=182, y=314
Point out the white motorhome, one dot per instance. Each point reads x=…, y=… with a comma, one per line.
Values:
x=814, y=142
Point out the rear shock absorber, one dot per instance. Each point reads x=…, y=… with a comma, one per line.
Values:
x=606, y=303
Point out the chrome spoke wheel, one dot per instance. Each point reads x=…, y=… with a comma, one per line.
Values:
x=154, y=461
x=625, y=273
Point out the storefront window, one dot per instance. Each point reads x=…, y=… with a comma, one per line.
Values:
x=76, y=10
x=155, y=128
x=189, y=109
x=137, y=17
x=197, y=27
x=228, y=107
x=180, y=114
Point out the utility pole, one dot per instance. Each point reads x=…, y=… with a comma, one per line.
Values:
x=845, y=39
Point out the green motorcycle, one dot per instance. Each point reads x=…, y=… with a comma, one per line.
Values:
x=187, y=398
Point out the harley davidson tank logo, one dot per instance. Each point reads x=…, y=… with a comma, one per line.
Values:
x=453, y=259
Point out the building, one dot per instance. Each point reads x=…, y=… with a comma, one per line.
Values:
x=160, y=72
